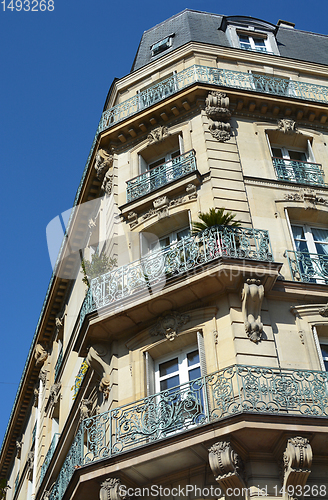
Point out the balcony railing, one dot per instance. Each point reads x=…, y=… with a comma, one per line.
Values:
x=299, y=171
x=188, y=255
x=231, y=391
x=214, y=76
x=161, y=175
x=308, y=267
x=49, y=456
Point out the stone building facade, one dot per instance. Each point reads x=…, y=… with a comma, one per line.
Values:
x=195, y=360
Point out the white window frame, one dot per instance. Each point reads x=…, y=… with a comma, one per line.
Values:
x=252, y=44
x=183, y=369
x=308, y=236
x=173, y=237
x=324, y=358
x=162, y=45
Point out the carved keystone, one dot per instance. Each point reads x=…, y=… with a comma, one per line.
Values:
x=111, y=489
x=168, y=324
x=252, y=298
x=226, y=466
x=99, y=359
x=297, y=460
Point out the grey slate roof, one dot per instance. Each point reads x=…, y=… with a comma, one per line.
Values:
x=191, y=25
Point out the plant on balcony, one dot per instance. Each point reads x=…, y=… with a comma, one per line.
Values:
x=214, y=217
x=99, y=264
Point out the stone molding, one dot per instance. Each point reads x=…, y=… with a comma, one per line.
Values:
x=252, y=298
x=98, y=359
x=110, y=489
x=218, y=113
x=168, y=324
x=297, y=461
x=226, y=466
x=158, y=134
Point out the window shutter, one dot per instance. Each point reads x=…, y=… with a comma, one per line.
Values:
x=201, y=350
x=142, y=165
x=267, y=137
x=310, y=155
x=150, y=374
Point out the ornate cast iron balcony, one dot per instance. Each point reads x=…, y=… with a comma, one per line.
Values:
x=49, y=456
x=299, y=171
x=161, y=175
x=308, y=267
x=220, y=77
x=234, y=390
x=189, y=254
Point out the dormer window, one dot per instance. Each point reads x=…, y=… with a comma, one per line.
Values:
x=253, y=42
x=162, y=45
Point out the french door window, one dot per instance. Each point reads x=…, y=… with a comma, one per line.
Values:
x=177, y=369
x=311, y=245
x=324, y=353
x=170, y=239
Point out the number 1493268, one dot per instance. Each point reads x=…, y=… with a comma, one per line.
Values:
x=28, y=5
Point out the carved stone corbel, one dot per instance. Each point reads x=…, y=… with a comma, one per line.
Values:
x=252, y=298
x=98, y=358
x=226, y=466
x=19, y=445
x=40, y=354
x=43, y=375
x=287, y=125
x=84, y=408
x=323, y=311
x=191, y=191
x=218, y=113
x=54, y=395
x=161, y=205
x=103, y=166
x=168, y=324
x=297, y=461
x=132, y=219
x=36, y=397
x=158, y=134
x=111, y=489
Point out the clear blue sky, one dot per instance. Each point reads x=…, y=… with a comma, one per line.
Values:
x=56, y=68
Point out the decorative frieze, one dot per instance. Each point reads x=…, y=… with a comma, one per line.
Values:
x=168, y=324
x=218, y=113
x=252, y=297
x=307, y=196
x=297, y=461
x=226, y=466
x=158, y=134
x=287, y=125
x=99, y=359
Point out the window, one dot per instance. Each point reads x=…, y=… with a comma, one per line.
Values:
x=253, y=42
x=179, y=369
x=161, y=46
x=324, y=353
x=169, y=239
x=311, y=245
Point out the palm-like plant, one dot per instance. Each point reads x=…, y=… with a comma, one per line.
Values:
x=214, y=217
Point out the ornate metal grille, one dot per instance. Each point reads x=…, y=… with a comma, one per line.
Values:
x=189, y=254
x=231, y=391
x=161, y=175
x=308, y=267
x=299, y=171
x=49, y=456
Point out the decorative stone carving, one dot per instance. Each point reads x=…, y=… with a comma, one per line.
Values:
x=54, y=394
x=169, y=324
x=99, y=359
x=91, y=223
x=148, y=214
x=252, y=297
x=158, y=134
x=191, y=191
x=19, y=445
x=132, y=219
x=104, y=161
x=36, y=397
x=111, y=490
x=287, y=126
x=226, y=466
x=218, y=113
x=84, y=408
x=323, y=311
x=297, y=460
x=30, y=463
x=107, y=184
x=40, y=354
x=161, y=204
x=177, y=201
x=43, y=376
x=309, y=197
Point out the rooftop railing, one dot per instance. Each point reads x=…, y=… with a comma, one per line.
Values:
x=161, y=175
x=188, y=255
x=231, y=391
x=221, y=77
x=49, y=455
x=308, y=267
x=299, y=171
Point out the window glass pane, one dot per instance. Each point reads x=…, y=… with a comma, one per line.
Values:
x=175, y=154
x=298, y=232
x=169, y=367
x=277, y=152
x=194, y=373
x=320, y=237
x=297, y=155
x=193, y=358
x=259, y=42
x=183, y=234
x=156, y=163
x=168, y=383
